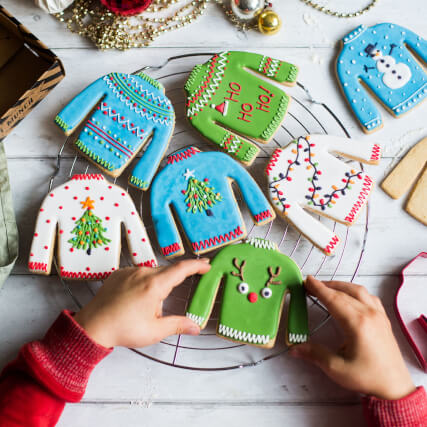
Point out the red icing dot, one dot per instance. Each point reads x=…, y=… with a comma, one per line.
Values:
x=183, y=191
x=129, y=231
x=123, y=194
x=113, y=269
x=60, y=207
x=107, y=218
x=252, y=297
x=122, y=118
x=289, y=161
x=306, y=160
x=48, y=221
x=116, y=204
x=75, y=197
x=319, y=172
x=123, y=125
x=45, y=247
x=322, y=201
x=97, y=221
x=36, y=234
x=86, y=188
x=105, y=112
x=344, y=180
x=31, y=254
x=73, y=218
x=110, y=187
x=107, y=248
x=51, y=194
x=61, y=231
x=289, y=178
x=132, y=213
x=71, y=249
x=287, y=206
x=104, y=104
x=101, y=198
x=66, y=187
x=87, y=268
x=41, y=209
x=113, y=111
x=142, y=240
x=134, y=254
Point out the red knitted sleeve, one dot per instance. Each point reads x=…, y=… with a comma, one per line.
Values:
x=48, y=373
x=410, y=411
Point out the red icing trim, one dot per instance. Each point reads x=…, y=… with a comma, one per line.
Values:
x=37, y=266
x=167, y=250
x=86, y=176
x=376, y=152
x=214, y=241
x=362, y=199
x=107, y=137
x=331, y=245
x=185, y=154
x=149, y=263
x=274, y=159
x=229, y=140
x=84, y=274
x=263, y=216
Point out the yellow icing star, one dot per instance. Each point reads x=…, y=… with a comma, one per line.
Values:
x=88, y=203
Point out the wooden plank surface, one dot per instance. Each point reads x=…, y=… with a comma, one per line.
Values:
x=126, y=388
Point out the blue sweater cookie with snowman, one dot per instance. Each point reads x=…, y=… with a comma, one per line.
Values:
x=377, y=58
x=122, y=111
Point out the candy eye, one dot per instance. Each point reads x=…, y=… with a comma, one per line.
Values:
x=243, y=288
x=266, y=292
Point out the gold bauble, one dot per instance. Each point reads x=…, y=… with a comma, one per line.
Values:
x=269, y=22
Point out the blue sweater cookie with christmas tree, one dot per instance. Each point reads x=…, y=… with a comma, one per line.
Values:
x=121, y=111
x=198, y=187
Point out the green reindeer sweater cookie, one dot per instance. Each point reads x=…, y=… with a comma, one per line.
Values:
x=256, y=279
x=228, y=103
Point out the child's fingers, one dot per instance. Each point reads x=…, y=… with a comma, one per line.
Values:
x=174, y=325
x=342, y=307
x=319, y=355
x=355, y=291
x=175, y=274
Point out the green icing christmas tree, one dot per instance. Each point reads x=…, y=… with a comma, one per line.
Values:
x=200, y=195
x=89, y=229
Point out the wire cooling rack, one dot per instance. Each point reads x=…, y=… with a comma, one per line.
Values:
x=207, y=352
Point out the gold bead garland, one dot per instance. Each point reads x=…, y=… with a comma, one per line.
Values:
x=327, y=11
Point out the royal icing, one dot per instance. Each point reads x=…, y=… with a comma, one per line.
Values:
x=306, y=176
x=226, y=103
x=378, y=57
x=197, y=186
x=85, y=216
x=129, y=109
x=256, y=278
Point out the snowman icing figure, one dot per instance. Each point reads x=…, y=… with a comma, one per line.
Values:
x=395, y=75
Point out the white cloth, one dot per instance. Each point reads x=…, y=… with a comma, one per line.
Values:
x=53, y=6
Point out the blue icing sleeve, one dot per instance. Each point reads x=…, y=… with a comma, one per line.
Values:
x=256, y=201
x=357, y=96
x=415, y=42
x=80, y=106
x=145, y=169
x=164, y=224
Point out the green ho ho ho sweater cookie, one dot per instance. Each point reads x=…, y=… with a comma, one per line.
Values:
x=227, y=103
x=257, y=278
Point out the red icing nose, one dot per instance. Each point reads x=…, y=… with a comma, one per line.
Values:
x=252, y=297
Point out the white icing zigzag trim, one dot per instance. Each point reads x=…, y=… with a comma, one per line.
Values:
x=209, y=91
x=157, y=98
x=272, y=67
x=243, y=336
x=126, y=122
x=233, y=146
x=196, y=319
x=297, y=338
x=130, y=104
x=261, y=243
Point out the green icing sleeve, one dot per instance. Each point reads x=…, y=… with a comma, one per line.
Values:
x=272, y=68
x=203, y=299
x=297, y=316
x=232, y=144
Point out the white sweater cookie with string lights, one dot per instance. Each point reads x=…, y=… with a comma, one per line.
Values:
x=85, y=216
x=306, y=176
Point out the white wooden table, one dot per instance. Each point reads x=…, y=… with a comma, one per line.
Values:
x=128, y=390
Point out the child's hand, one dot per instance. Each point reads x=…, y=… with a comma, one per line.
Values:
x=127, y=310
x=369, y=361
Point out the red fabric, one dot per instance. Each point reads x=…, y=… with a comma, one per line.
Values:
x=48, y=373
x=126, y=7
x=410, y=411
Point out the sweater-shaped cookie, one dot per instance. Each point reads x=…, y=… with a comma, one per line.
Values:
x=306, y=176
x=378, y=58
x=226, y=103
x=198, y=187
x=121, y=111
x=84, y=217
x=256, y=278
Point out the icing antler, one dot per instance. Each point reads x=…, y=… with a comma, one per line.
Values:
x=239, y=267
x=270, y=281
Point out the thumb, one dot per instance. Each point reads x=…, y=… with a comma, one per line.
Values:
x=318, y=355
x=174, y=325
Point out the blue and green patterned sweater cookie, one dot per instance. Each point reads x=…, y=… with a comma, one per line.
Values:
x=380, y=58
x=256, y=278
x=122, y=112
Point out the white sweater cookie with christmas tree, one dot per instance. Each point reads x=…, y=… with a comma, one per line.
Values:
x=305, y=176
x=85, y=216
